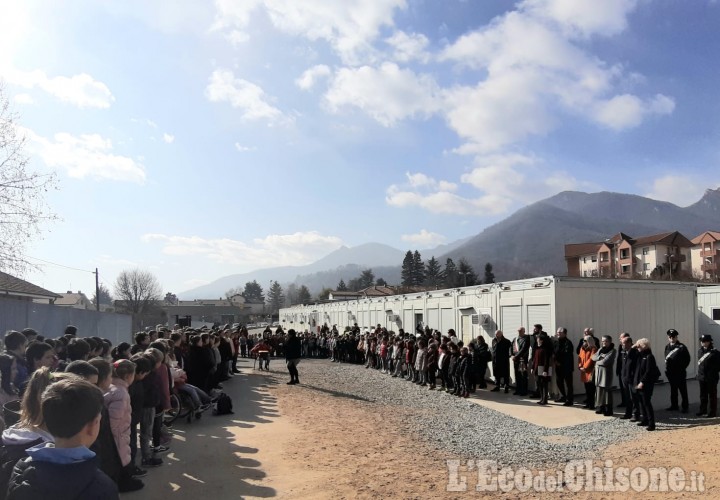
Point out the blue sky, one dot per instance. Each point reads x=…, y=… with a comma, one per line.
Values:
x=199, y=139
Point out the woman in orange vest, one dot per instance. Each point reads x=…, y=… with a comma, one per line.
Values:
x=587, y=367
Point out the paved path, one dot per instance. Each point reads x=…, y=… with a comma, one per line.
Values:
x=221, y=457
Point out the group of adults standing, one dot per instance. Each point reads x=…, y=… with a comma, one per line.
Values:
x=540, y=358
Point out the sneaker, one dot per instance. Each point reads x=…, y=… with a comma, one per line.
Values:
x=136, y=471
x=130, y=484
x=161, y=449
x=151, y=462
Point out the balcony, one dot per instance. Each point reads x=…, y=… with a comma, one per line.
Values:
x=710, y=253
x=709, y=267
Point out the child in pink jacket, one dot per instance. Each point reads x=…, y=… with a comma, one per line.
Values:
x=117, y=401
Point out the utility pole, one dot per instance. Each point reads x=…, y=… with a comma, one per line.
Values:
x=97, y=290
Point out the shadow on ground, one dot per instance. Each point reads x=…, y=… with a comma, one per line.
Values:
x=207, y=458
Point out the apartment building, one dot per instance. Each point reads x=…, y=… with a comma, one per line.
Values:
x=622, y=256
x=705, y=256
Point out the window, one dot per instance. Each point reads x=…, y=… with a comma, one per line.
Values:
x=646, y=267
x=593, y=258
x=646, y=250
x=584, y=274
x=625, y=268
x=584, y=260
x=604, y=257
x=624, y=253
x=716, y=314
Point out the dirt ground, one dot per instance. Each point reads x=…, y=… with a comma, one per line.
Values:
x=305, y=442
x=340, y=447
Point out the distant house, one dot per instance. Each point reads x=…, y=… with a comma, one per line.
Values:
x=622, y=256
x=75, y=300
x=705, y=255
x=16, y=288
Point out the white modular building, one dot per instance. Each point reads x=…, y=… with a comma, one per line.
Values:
x=640, y=307
x=708, y=298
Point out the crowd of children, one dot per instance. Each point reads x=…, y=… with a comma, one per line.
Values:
x=73, y=407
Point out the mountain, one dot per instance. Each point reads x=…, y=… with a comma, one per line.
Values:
x=352, y=262
x=528, y=243
x=531, y=241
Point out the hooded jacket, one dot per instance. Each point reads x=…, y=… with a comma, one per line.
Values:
x=60, y=474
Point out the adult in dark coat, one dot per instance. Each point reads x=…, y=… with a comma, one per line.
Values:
x=501, y=352
x=564, y=367
x=646, y=375
x=627, y=359
x=481, y=358
x=677, y=359
x=521, y=349
x=293, y=352
x=541, y=367
x=199, y=364
x=707, y=375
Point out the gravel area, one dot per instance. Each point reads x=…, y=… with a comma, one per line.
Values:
x=457, y=427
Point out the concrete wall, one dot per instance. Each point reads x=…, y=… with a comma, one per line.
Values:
x=50, y=320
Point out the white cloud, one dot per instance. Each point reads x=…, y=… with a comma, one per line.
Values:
x=409, y=47
x=584, y=17
x=80, y=90
x=424, y=238
x=349, y=26
x=387, y=94
x=85, y=156
x=682, y=190
x=23, y=99
x=241, y=94
x=535, y=72
x=169, y=138
x=237, y=37
x=273, y=250
x=625, y=111
x=307, y=80
x=498, y=183
x=244, y=149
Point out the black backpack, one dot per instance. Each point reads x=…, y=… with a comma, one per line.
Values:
x=223, y=405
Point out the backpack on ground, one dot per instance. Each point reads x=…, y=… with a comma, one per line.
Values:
x=223, y=405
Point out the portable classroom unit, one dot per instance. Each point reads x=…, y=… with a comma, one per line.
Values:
x=640, y=307
x=709, y=311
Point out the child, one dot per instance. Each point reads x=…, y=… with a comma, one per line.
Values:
x=137, y=403
x=152, y=395
x=117, y=402
x=66, y=468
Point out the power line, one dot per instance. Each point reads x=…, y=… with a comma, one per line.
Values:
x=61, y=265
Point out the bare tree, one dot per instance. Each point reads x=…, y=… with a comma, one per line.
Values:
x=22, y=195
x=138, y=290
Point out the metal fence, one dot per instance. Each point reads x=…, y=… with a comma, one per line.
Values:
x=50, y=320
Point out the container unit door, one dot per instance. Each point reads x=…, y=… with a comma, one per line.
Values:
x=408, y=319
x=540, y=314
x=466, y=333
x=433, y=319
x=447, y=320
x=511, y=320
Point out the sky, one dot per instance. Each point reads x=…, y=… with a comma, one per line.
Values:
x=198, y=139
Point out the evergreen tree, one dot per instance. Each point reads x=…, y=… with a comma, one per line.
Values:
x=253, y=292
x=406, y=275
x=418, y=269
x=304, y=296
x=275, y=298
x=467, y=276
x=325, y=293
x=354, y=285
x=381, y=282
x=450, y=275
x=489, y=275
x=433, y=273
x=291, y=295
x=342, y=287
x=367, y=278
